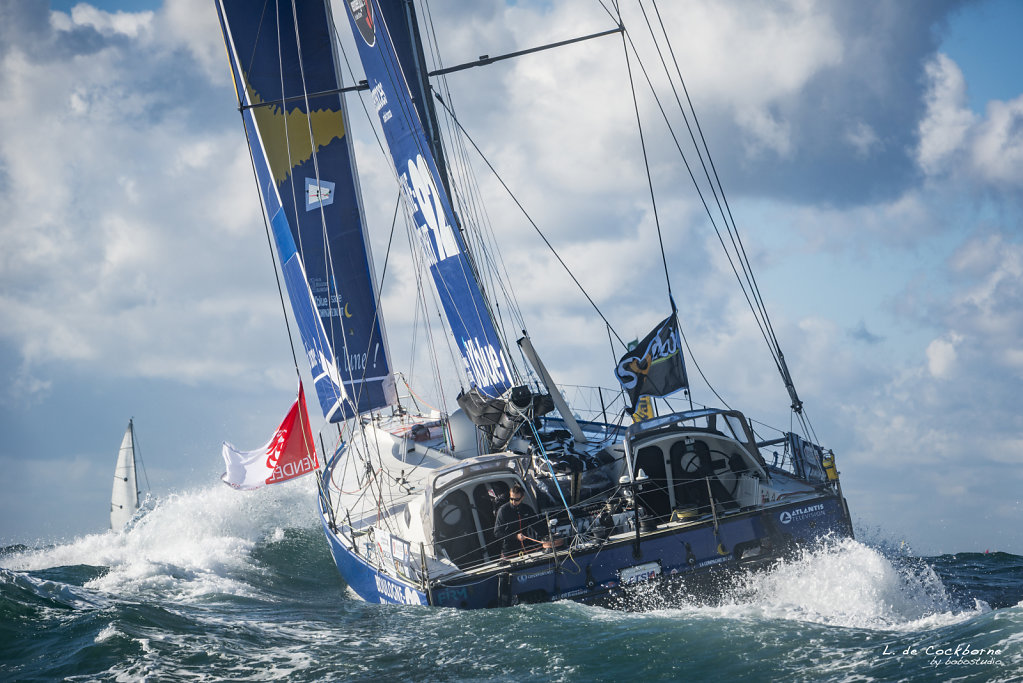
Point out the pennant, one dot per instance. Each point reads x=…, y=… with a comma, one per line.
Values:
x=290, y=453
x=654, y=366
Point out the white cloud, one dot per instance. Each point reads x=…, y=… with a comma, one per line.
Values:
x=948, y=120
x=997, y=152
x=941, y=355
x=131, y=24
x=134, y=244
x=193, y=24
x=953, y=141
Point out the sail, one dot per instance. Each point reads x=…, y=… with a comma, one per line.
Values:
x=485, y=362
x=124, y=500
x=286, y=79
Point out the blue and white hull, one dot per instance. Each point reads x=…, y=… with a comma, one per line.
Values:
x=599, y=556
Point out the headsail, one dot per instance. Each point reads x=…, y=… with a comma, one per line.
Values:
x=124, y=500
x=305, y=169
x=484, y=359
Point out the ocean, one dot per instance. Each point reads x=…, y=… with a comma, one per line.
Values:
x=218, y=584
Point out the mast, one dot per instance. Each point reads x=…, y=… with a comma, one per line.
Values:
x=134, y=462
x=401, y=18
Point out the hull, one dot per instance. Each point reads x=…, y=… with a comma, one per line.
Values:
x=699, y=555
x=367, y=581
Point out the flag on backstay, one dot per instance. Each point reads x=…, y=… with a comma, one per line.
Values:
x=290, y=453
x=654, y=366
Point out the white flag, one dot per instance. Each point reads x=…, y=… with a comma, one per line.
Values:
x=290, y=453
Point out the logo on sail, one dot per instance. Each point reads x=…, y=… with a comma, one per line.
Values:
x=318, y=193
x=427, y=198
x=362, y=14
x=483, y=363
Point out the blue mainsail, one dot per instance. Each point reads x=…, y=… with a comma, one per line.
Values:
x=286, y=79
x=486, y=364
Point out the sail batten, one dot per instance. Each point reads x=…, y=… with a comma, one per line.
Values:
x=295, y=123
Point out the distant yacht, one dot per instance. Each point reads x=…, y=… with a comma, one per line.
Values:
x=124, y=500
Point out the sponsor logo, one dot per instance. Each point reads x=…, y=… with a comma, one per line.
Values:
x=318, y=194
x=362, y=14
x=522, y=578
x=482, y=363
x=395, y=592
x=661, y=348
x=708, y=563
x=290, y=470
x=798, y=514
x=322, y=366
x=451, y=596
x=435, y=232
x=380, y=101
x=639, y=573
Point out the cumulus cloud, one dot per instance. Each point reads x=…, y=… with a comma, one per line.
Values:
x=131, y=24
x=997, y=152
x=954, y=141
x=944, y=129
x=121, y=194
x=133, y=243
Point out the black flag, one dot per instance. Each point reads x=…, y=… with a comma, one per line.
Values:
x=654, y=367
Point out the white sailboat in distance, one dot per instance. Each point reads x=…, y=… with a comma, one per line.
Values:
x=124, y=500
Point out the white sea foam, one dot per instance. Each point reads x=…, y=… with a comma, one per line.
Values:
x=852, y=585
x=189, y=544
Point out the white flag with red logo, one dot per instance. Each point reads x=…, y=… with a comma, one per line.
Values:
x=290, y=453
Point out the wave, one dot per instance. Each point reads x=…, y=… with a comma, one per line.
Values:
x=188, y=545
x=219, y=583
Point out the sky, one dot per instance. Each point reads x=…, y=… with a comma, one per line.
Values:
x=872, y=154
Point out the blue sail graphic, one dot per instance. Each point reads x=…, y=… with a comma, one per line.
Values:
x=486, y=365
x=305, y=170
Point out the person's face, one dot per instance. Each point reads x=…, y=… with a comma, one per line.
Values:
x=515, y=499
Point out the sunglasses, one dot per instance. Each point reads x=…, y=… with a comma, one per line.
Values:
x=514, y=499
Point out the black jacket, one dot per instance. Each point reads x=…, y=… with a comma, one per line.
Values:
x=511, y=520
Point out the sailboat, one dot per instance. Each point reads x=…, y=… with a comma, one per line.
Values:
x=126, y=495
x=640, y=492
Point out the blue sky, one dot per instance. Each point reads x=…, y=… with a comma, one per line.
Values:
x=872, y=153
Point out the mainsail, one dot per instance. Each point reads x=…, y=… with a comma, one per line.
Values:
x=486, y=365
x=285, y=76
x=124, y=500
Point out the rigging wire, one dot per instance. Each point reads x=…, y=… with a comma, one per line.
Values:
x=328, y=259
x=646, y=165
x=750, y=288
x=473, y=212
x=529, y=218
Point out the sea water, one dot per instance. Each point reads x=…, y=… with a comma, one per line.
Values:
x=218, y=584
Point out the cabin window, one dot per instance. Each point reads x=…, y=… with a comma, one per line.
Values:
x=690, y=463
x=456, y=529
x=734, y=425
x=466, y=515
x=653, y=495
x=693, y=473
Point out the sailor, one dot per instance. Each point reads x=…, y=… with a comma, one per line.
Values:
x=514, y=526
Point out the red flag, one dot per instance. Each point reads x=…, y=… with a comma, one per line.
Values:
x=290, y=453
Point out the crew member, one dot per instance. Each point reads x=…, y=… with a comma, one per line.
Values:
x=514, y=526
